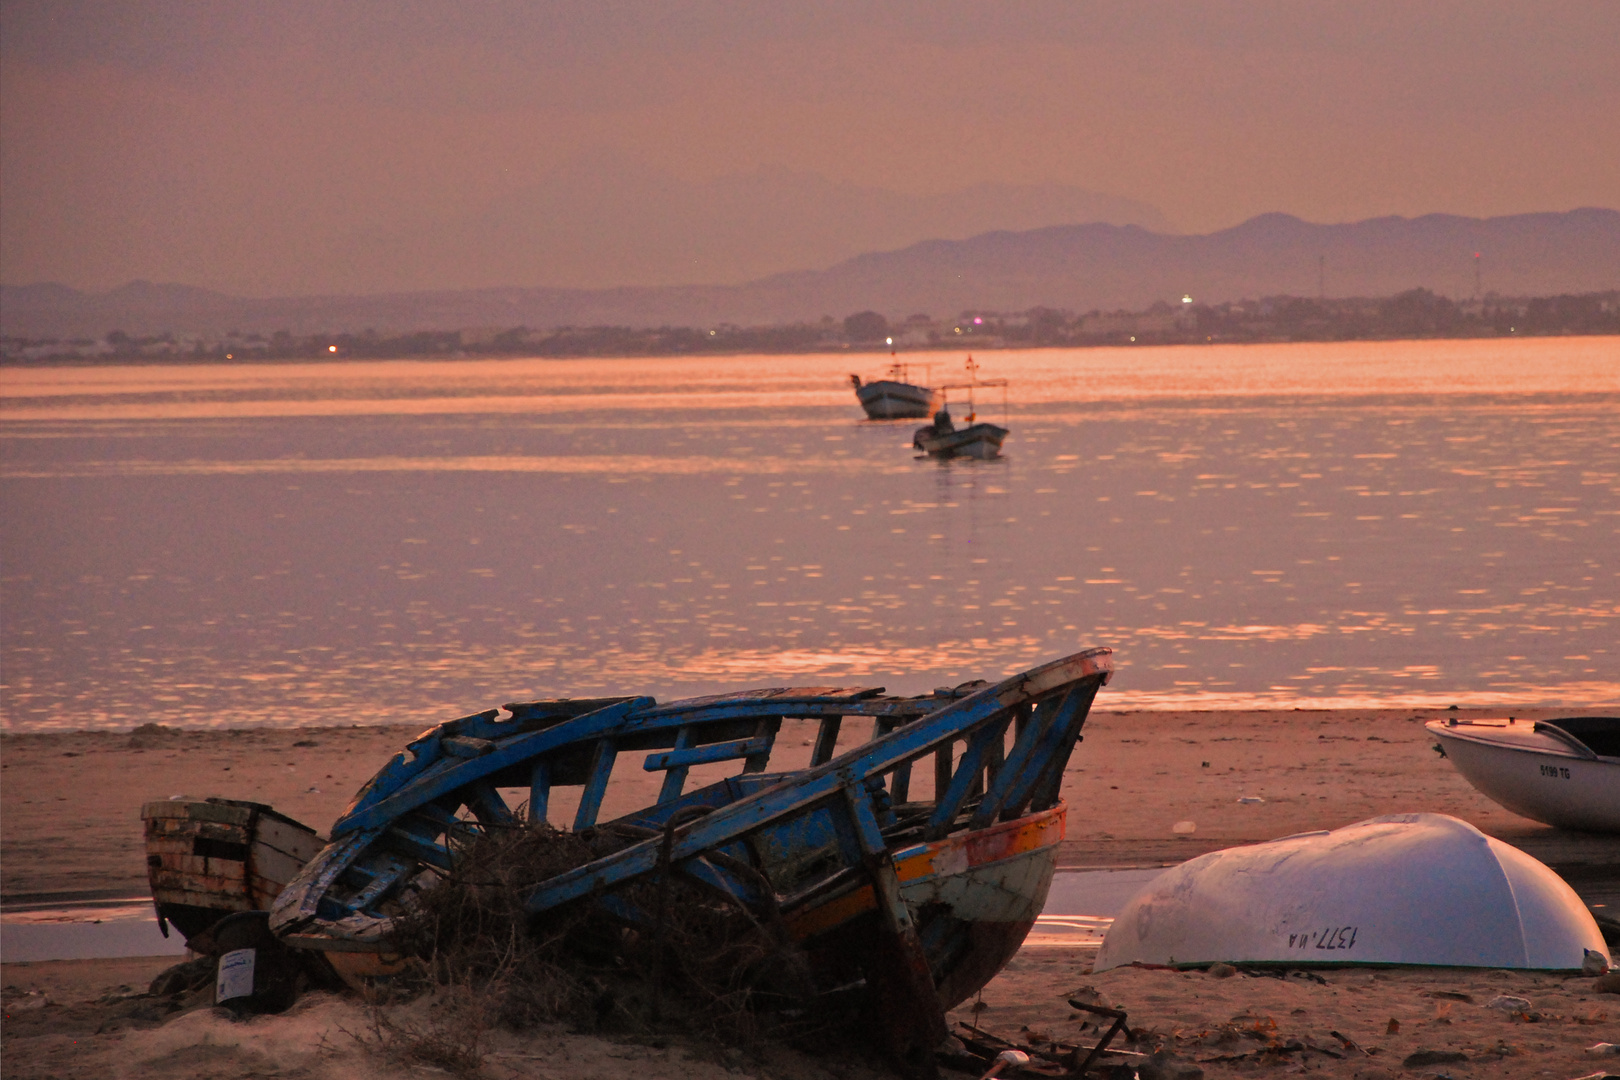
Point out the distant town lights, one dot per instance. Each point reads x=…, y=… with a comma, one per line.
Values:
x=978, y=320
x=331, y=348
x=888, y=341
x=1185, y=299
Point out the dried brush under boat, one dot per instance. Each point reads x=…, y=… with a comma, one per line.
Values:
x=923, y=899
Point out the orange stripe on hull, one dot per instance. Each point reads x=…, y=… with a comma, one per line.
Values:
x=945, y=858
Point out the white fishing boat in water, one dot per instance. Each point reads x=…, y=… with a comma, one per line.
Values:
x=1422, y=889
x=943, y=439
x=1560, y=772
x=895, y=397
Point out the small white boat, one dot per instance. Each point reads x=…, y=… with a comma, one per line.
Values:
x=1560, y=772
x=894, y=398
x=1420, y=889
x=943, y=439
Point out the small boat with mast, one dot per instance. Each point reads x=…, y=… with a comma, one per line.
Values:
x=943, y=439
x=895, y=397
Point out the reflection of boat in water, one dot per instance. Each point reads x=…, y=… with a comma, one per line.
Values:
x=1400, y=889
x=894, y=398
x=1560, y=772
x=943, y=439
x=924, y=899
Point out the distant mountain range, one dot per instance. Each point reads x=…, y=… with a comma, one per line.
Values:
x=607, y=220
x=1072, y=267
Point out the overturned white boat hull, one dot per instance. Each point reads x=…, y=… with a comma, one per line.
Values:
x=1549, y=771
x=1420, y=889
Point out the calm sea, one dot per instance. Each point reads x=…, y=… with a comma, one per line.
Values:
x=1283, y=525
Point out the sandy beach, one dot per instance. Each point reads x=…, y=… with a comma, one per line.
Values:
x=71, y=801
x=71, y=831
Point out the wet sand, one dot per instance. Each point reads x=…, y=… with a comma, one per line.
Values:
x=71, y=830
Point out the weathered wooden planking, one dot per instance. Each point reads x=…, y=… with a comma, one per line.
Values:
x=192, y=848
x=205, y=867
x=465, y=757
x=213, y=830
x=221, y=899
x=277, y=866
x=980, y=713
x=199, y=810
x=299, y=841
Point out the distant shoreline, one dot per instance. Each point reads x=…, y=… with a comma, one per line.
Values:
x=1417, y=315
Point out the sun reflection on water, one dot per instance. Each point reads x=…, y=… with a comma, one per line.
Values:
x=1409, y=524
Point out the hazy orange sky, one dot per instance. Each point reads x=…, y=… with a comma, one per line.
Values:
x=309, y=147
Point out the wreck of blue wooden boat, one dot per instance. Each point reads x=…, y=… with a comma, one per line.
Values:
x=923, y=899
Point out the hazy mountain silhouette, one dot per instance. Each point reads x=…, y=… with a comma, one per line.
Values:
x=1075, y=267
x=607, y=221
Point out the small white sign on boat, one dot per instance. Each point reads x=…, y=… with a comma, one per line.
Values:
x=234, y=979
x=1422, y=889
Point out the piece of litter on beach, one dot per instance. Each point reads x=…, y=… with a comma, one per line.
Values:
x=1509, y=1003
x=312, y=790
x=1250, y=800
x=1004, y=1060
x=1605, y=1049
x=1184, y=828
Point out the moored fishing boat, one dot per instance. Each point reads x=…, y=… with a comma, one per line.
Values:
x=896, y=397
x=925, y=899
x=1563, y=772
x=943, y=439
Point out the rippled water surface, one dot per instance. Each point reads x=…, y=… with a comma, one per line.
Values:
x=1413, y=522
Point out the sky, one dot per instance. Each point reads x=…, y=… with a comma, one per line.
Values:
x=313, y=147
